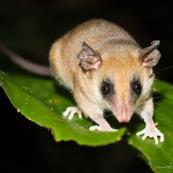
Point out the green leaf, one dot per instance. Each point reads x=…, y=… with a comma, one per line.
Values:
x=159, y=157
x=39, y=100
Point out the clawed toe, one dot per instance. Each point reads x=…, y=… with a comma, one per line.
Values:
x=151, y=132
x=71, y=111
x=99, y=128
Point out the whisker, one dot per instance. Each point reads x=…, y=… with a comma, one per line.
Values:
x=158, y=97
x=158, y=104
x=164, y=76
x=163, y=69
x=140, y=102
x=147, y=95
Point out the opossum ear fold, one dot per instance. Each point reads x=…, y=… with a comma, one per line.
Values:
x=150, y=56
x=90, y=59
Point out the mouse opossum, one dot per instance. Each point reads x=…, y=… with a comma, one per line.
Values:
x=105, y=68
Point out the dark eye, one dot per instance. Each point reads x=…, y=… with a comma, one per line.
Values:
x=136, y=86
x=106, y=88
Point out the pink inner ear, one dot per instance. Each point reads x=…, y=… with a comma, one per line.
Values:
x=89, y=58
x=96, y=65
x=152, y=58
x=89, y=65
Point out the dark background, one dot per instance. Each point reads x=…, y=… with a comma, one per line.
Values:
x=30, y=27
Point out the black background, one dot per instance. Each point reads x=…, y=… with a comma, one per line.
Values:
x=30, y=27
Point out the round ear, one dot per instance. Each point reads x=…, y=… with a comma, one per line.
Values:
x=150, y=56
x=89, y=58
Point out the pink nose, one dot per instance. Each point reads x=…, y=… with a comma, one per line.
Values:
x=123, y=119
x=123, y=113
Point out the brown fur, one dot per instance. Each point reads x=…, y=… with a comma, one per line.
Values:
x=105, y=69
x=120, y=62
x=63, y=54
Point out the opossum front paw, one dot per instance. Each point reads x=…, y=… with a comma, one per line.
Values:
x=151, y=132
x=71, y=111
x=100, y=128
